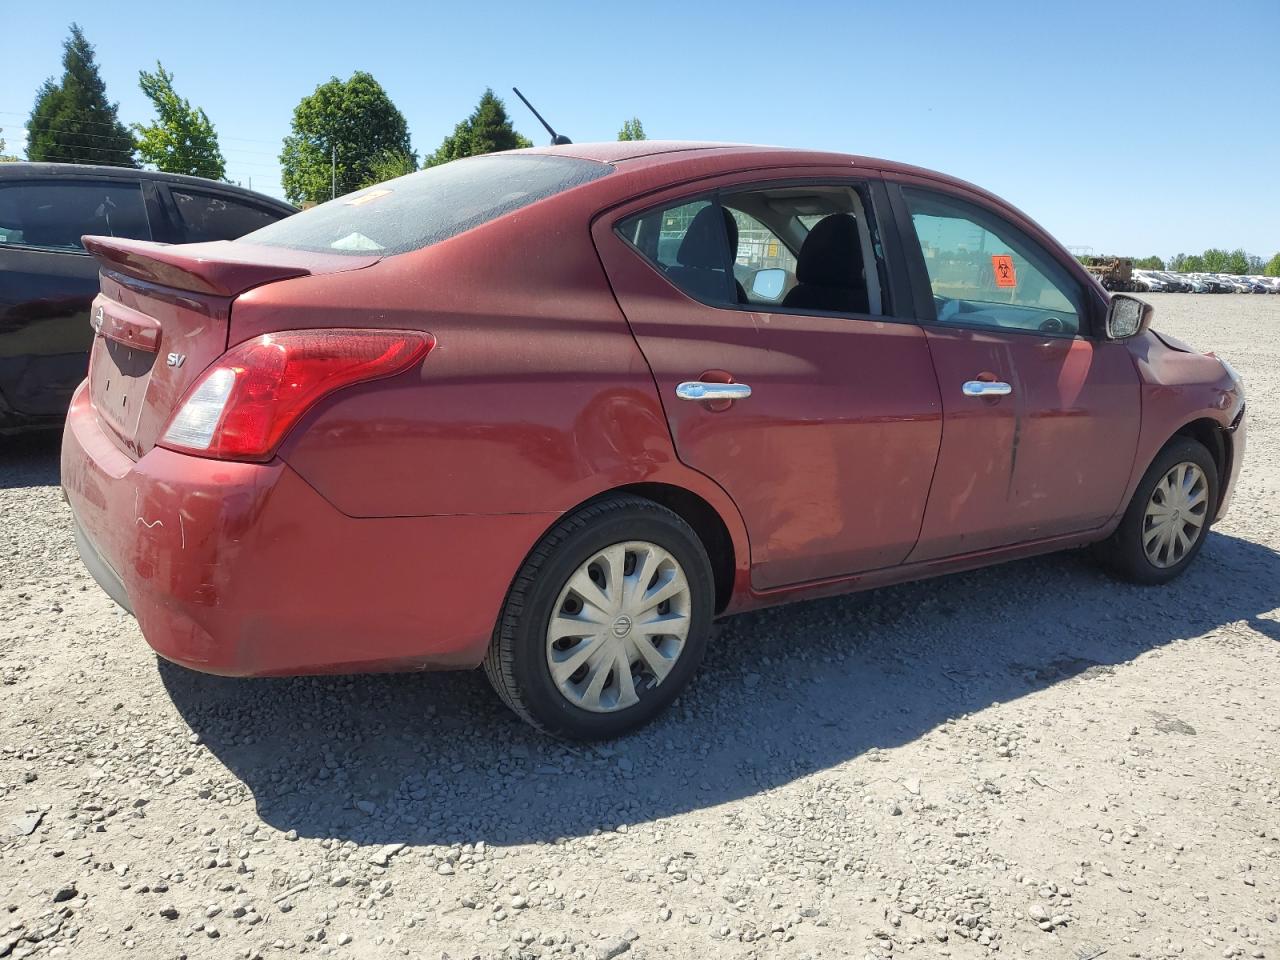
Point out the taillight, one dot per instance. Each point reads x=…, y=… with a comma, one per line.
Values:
x=243, y=405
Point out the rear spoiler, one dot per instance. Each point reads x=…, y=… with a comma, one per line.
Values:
x=220, y=268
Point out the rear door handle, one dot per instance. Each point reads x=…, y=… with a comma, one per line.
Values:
x=698, y=390
x=986, y=388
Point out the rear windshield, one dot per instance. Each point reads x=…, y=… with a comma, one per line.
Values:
x=423, y=208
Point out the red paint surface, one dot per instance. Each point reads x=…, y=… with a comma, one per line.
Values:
x=387, y=530
x=1051, y=458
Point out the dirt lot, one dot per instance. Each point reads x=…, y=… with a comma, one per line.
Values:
x=1031, y=759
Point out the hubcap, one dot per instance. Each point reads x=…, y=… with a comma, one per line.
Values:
x=1175, y=515
x=619, y=626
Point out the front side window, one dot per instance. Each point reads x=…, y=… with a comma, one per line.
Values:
x=206, y=216
x=55, y=214
x=807, y=249
x=986, y=272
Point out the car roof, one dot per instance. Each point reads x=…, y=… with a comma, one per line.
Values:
x=666, y=152
x=28, y=170
x=715, y=158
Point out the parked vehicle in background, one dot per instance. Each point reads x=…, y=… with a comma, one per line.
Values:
x=47, y=280
x=1175, y=282
x=1212, y=283
x=1110, y=272
x=1150, y=282
x=521, y=410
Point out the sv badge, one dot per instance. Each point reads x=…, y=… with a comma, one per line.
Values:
x=176, y=359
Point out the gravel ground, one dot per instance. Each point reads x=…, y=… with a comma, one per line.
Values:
x=1031, y=759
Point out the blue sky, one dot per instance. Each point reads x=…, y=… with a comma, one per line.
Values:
x=1128, y=127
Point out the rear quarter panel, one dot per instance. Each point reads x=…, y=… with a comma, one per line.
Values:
x=535, y=398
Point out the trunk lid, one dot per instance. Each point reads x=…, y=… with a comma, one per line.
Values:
x=164, y=315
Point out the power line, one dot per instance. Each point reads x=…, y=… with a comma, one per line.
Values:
x=107, y=124
x=67, y=131
x=122, y=154
x=71, y=131
x=80, y=148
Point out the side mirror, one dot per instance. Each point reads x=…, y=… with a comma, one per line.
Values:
x=768, y=284
x=1127, y=316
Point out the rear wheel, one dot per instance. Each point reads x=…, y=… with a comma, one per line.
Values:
x=1168, y=519
x=606, y=622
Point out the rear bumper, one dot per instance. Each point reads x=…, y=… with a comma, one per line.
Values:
x=244, y=570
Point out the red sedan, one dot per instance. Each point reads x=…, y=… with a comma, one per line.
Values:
x=554, y=411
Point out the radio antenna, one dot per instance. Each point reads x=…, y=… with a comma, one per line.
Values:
x=557, y=139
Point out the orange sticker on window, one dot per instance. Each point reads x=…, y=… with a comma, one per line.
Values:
x=1002, y=267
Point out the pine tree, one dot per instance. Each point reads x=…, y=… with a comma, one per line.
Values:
x=632, y=129
x=72, y=121
x=182, y=140
x=487, y=130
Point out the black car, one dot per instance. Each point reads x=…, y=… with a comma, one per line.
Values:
x=47, y=281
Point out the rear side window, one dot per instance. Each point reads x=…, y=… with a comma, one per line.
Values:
x=423, y=208
x=55, y=214
x=206, y=216
x=689, y=243
x=808, y=248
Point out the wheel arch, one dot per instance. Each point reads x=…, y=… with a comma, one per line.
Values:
x=706, y=522
x=1211, y=435
x=727, y=547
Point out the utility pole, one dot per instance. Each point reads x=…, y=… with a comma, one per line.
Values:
x=333, y=167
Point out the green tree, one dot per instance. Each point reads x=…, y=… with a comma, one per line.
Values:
x=487, y=130
x=388, y=165
x=1215, y=260
x=342, y=132
x=6, y=157
x=1194, y=263
x=1272, y=269
x=72, y=120
x=632, y=129
x=182, y=140
x=1149, y=263
x=1255, y=264
x=1237, y=262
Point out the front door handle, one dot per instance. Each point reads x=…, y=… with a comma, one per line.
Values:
x=698, y=390
x=986, y=388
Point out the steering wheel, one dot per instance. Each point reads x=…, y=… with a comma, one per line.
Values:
x=1053, y=325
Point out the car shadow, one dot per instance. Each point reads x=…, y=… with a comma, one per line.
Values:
x=784, y=693
x=30, y=459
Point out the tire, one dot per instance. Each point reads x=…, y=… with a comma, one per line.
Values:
x=1125, y=555
x=518, y=663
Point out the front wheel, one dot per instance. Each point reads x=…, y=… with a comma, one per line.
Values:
x=1168, y=518
x=606, y=621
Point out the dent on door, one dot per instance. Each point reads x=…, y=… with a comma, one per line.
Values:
x=1049, y=456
